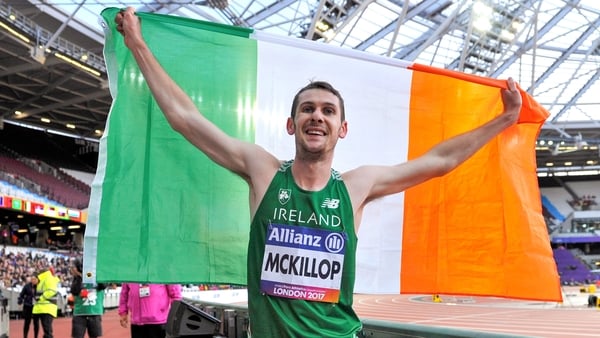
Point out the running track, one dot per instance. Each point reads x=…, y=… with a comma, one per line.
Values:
x=571, y=319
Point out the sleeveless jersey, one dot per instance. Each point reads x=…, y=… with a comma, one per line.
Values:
x=90, y=305
x=301, y=261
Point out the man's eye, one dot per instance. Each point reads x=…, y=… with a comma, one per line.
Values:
x=328, y=111
x=307, y=109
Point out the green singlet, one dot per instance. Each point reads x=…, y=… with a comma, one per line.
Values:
x=92, y=304
x=301, y=261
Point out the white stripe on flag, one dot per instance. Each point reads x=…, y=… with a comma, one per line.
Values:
x=377, y=100
x=92, y=228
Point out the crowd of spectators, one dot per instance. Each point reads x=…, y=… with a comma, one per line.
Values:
x=19, y=264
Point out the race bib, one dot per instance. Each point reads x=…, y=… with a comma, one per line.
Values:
x=303, y=263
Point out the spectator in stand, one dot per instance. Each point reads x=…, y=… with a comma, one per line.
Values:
x=88, y=305
x=4, y=237
x=148, y=306
x=45, y=302
x=26, y=298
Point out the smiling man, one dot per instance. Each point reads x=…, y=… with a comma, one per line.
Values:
x=305, y=215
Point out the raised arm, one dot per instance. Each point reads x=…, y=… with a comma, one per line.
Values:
x=250, y=161
x=370, y=182
x=182, y=114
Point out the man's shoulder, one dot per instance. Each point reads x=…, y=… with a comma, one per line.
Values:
x=352, y=175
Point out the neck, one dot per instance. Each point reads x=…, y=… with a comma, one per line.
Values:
x=311, y=175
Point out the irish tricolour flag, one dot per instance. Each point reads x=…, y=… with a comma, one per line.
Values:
x=161, y=211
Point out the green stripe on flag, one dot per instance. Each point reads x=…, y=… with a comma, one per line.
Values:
x=163, y=203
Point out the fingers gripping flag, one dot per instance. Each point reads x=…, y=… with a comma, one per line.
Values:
x=162, y=212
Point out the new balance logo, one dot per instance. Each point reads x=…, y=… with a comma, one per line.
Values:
x=331, y=203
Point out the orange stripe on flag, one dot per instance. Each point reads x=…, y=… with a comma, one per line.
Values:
x=532, y=111
x=478, y=230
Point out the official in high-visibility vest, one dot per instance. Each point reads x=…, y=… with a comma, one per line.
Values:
x=45, y=301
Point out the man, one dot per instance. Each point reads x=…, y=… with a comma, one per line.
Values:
x=317, y=121
x=27, y=299
x=88, y=304
x=45, y=307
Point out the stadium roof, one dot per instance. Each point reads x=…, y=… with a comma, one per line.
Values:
x=551, y=47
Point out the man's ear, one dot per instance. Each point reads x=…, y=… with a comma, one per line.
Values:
x=343, y=129
x=290, y=126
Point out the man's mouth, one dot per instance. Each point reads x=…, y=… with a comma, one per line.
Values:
x=317, y=132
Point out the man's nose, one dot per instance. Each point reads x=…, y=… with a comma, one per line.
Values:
x=317, y=115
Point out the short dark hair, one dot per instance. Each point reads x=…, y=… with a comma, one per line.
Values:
x=319, y=85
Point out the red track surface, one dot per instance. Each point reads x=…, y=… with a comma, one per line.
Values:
x=571, y=319
x=62, y=327
x=495, y=315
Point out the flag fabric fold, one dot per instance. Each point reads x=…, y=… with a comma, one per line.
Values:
x=161, y=211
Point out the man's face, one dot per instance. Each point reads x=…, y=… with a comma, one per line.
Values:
x=318, y=123
x=34, y=280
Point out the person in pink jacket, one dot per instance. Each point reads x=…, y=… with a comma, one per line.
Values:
x=149, y=306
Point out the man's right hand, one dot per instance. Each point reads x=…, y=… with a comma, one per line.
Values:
x=128, y=24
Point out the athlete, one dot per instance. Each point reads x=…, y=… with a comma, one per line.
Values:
x=305, y=215
x=88, y=304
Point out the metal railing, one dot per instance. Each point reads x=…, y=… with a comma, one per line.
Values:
x=41, y=36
